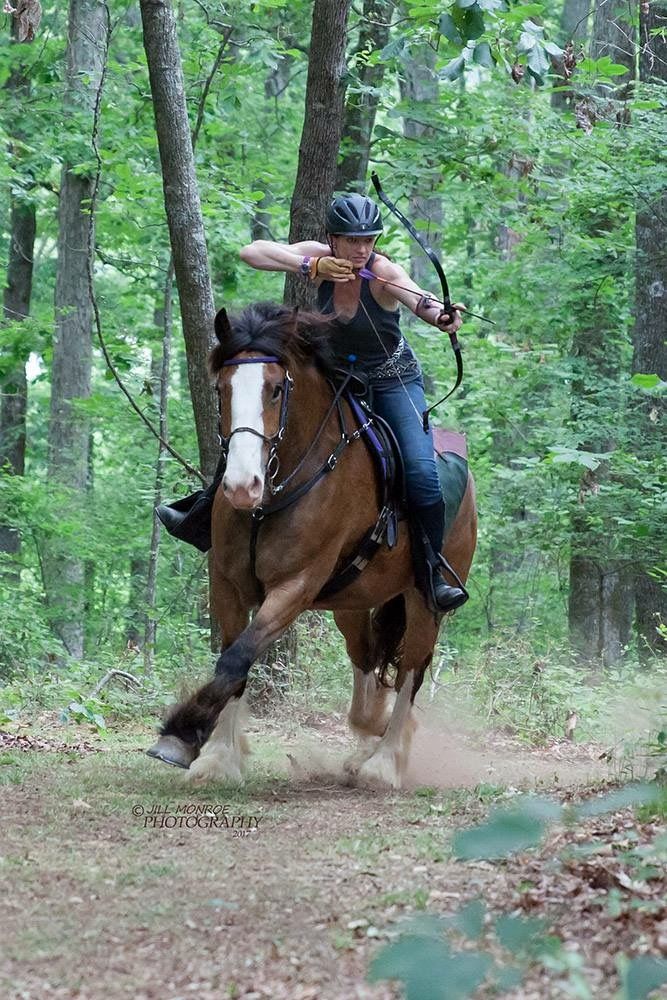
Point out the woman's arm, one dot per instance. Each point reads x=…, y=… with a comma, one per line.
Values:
x=398, y=284
x=267, y=256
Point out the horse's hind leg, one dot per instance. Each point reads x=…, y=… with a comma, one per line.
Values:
x=387, y=763
x=368, y=713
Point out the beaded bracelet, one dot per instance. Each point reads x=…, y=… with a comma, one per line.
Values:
x=304, y=267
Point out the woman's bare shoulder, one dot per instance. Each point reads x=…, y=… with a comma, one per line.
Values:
x=385, y=268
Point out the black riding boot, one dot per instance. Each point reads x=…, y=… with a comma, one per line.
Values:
x=440, y=595
x=190, y=518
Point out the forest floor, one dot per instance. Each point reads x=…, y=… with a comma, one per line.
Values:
x=107, y=895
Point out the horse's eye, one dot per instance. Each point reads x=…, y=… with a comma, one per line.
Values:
x=277, y=392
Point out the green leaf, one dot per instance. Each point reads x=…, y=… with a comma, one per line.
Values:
x=646, y=381
x=453, y=69
x=448, y=28
x=641, y=105
x=518, y=933
x=631, y=795
x=602, y=67
x=382, y=132
x=538, y=62
x=429, y=970
x=589, y=459
x=527, y=41
x=506, y=831
x=394, y=48
x=471, y=25
x=523, y=11
x=508, y=978
x=642, y=975
x=483, y=55
x=469, y=920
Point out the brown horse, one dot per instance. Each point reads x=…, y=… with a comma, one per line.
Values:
x=284, y=427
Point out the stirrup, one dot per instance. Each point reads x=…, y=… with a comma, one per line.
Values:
x=443, y=597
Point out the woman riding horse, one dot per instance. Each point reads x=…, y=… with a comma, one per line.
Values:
x=292, y=511
x=360, y=291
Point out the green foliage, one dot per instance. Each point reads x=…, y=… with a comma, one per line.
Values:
x=422, y=958
x=538, y=234
x=640, y=976
x=88, y=711
x=429, y=969
x=507, y=831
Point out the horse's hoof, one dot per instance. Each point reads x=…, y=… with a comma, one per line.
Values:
x=172, y=750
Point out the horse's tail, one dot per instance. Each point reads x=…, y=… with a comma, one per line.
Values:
x=387, y=631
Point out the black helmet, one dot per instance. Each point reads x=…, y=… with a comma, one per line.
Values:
x=353, y=215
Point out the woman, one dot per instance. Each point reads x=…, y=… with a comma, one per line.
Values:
x=367, y=335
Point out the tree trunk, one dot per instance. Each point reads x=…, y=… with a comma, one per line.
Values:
x=16, y=306
x=321, y=135
x=72, y=348
x=649, y=344
x=614, y=35
x=361, y=107
x=150, y=631
x=183, y=208
x=601, y=585
x=14, y=387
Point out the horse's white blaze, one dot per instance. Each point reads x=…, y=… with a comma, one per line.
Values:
x=244, y=461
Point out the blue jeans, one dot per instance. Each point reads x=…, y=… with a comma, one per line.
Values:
x=402, y=407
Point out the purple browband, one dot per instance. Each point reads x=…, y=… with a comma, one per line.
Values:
x=251, y=361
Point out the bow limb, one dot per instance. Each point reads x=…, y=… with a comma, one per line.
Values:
x=430, y=253
x=446, y=299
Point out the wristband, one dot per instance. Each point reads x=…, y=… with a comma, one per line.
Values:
x=304, y=267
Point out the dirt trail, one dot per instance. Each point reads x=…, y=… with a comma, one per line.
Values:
x=109, y=892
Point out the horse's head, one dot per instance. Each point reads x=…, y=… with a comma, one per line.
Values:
x=257, y=352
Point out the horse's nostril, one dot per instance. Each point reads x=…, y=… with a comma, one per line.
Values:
x=256, y=488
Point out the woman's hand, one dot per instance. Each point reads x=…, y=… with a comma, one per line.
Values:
x=450, y=323
x=334, y=269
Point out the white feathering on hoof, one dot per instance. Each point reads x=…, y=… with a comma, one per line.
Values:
x=224, y=755
x=387, y=763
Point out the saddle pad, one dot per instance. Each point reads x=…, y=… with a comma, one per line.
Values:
x=452, y=464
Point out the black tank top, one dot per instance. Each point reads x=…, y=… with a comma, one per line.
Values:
x=371, y=335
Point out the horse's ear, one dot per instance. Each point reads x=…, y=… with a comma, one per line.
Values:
x=295, y=319
x=223, y=328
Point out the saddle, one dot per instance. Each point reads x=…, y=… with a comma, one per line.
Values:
x=189, y=519
x=451, y=451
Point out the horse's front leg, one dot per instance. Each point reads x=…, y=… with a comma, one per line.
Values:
x=224, y=755
x=193, y=722
x=183, y=732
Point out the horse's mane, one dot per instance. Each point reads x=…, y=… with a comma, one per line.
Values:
x=293, y=336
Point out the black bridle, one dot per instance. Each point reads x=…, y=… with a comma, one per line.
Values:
x=272, y=465
x=274, y=440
